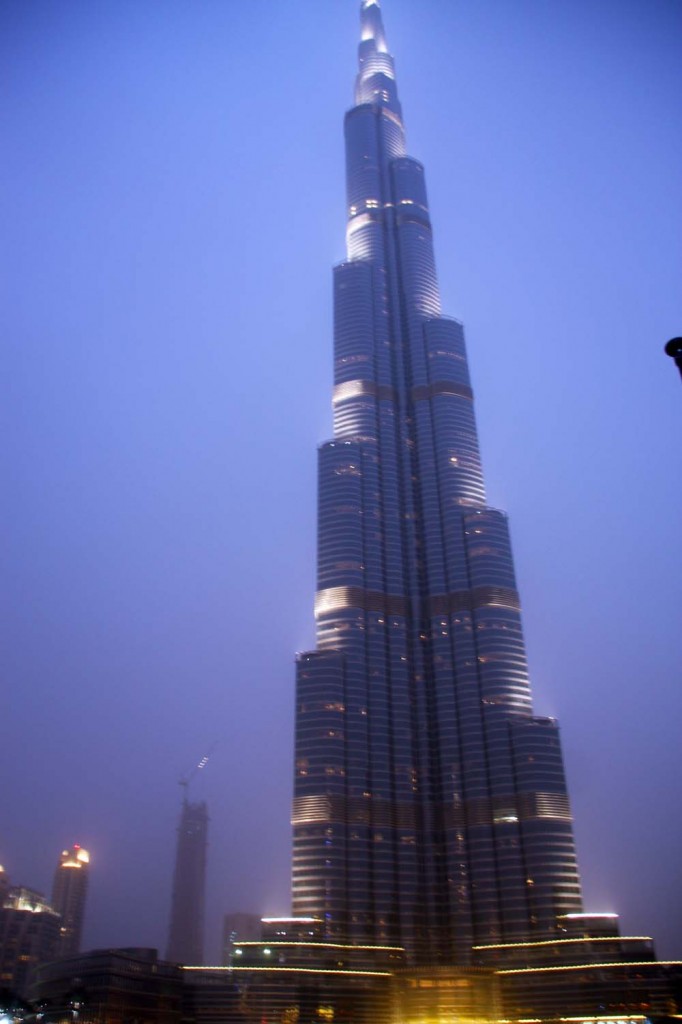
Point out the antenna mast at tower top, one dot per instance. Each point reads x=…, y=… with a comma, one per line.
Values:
x=185, y=780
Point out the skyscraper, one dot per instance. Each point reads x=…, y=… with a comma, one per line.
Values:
x=69, y=890
x=186, y=931
x=430, y=804
x=29, y=935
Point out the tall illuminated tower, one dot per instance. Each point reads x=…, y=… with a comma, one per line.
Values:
x=430, y=805
x=186, y=931
x=69, y=890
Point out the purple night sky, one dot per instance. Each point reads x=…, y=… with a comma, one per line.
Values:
x=173, y=203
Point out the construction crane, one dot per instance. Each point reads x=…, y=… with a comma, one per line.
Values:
x=186, y=779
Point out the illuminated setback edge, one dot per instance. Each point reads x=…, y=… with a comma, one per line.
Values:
x=591, y=967
x=282, y=969
x=558, y=942
x=322, y=945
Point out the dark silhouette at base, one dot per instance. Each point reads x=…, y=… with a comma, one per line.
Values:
x=674, y=350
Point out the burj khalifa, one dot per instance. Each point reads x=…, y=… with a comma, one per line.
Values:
x=430, y=804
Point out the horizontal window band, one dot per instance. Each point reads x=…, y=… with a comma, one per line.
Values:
x=526, y=807
x=440, y=387
x=353, y=811
x=338, y=598
x=412, y=216
x=482, y=811
x=349, y=389
x=335, y=599
x=477, y=597
x=356, y=388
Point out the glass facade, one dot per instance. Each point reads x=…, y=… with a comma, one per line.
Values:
x=430, y=805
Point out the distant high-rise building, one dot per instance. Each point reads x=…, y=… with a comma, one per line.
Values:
x=29, y=936
x=69, y=891
x=239, y=927
x=430, y=805
x=186, y=932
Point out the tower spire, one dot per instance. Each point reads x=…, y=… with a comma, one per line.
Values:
x=372, y=24
x=375, y=82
